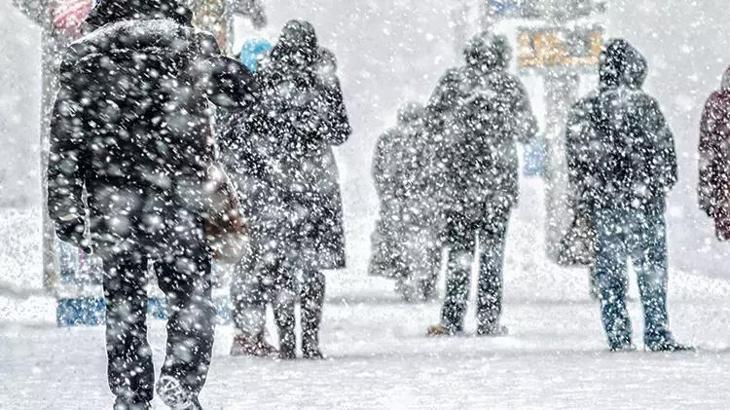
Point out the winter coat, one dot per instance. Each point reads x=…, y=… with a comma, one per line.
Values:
x=485, y=112
x=714, y=186
x=286, y=162
x=620, y=147
x=131, y=127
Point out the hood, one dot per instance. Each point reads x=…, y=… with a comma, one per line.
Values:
x=488, y=52
x=297, y=44
x=726, y=80
x=112, y=11
x=621, y=64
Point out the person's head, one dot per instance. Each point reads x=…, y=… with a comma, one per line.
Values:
x=488, y=52
x=109, y=11
x=621, y=64
x=297, y=45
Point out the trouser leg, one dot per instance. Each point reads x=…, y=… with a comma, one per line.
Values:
x=130, y=368
x=650, y=260
x=248, y=294
x=185, y=278
x=490, y=289
x=461, y=255
x=611, y=272
x=283, y=300
x=312, y=303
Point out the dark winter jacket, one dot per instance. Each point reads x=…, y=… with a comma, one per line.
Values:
x=287, y=164
x=489, y=114
x=714, y=186
x=131, y=126
x=620, y=148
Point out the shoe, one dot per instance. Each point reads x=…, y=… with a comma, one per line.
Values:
x=492, y=331
x=669, y=345
x=244, y=345
x=622, y=348
x=312, y=353
x=310, y=348
x=287, y=354
x=123, y=404
x=441, y=330
x=175, y=396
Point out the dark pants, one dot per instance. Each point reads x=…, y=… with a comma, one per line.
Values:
x=462, y=241
x=185, y=280
x=638, y=233
x=258, y=281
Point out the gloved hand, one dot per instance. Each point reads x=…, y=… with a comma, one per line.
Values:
x=71, y=229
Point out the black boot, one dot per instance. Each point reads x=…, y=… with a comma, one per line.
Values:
x=312, y=303
x=286, y=324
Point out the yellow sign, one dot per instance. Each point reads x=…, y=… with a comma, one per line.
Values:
x=559, y=48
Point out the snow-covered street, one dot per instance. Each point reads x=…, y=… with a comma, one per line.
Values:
x=379, y=357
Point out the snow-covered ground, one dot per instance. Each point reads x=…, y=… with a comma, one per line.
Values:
x=379, y=357
x=391, y=51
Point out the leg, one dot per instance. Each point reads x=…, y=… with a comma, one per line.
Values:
x=130, y=368
x=461, y=255
x=249, y=304
x=489, y=300
x=312, y=302
x=284, y=303
x=185, y=279
x=650, y=258
x=611, y=255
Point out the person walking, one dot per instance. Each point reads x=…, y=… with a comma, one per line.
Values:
x=131, y=152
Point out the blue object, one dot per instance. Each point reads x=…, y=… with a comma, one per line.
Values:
x=252, y=52
x=91, y=311
x=504, y=7
x=535, y=155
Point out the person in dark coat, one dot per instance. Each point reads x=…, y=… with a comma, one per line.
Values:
x=131, y=149
x=404, y=241
x=627, y=166
x=714, y=186
x=291, y=164
x=490, y=116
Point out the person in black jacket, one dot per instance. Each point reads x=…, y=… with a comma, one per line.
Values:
x=481, y=113
x=623, y=164
x=131, y=149
x=291, y=178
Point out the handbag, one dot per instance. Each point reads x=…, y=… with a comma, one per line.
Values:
x=225, y=229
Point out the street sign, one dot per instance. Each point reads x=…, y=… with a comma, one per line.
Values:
x=556, y=48
x=545, y=9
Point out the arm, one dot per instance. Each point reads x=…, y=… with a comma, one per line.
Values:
x=66, y=166
x=708, y=152
x=525, y=120
x=337, y=127
x=665, y=166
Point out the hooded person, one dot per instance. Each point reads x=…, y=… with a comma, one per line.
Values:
x=490, y=115
x=300, y=231
x=131, y=153
x=623, y=162
x=398, y=168
x=714, y=165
